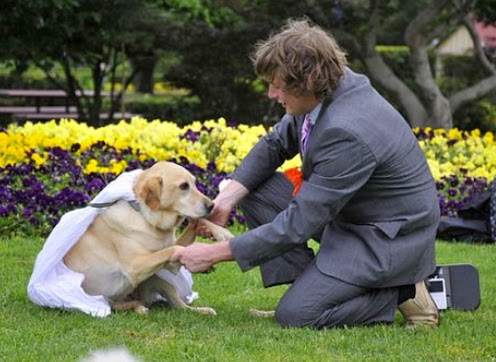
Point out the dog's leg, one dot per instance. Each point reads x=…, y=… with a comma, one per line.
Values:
x=157, y=285
x=188, y=235
x=176, y=302
x=142, y=267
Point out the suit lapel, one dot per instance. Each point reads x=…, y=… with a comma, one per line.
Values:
x=306, y=164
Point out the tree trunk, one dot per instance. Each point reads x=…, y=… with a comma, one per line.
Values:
x=439, y=112
x=427, y=106
x=96, y=105
x=145, y=66
x=382, y=75
x=484, y=86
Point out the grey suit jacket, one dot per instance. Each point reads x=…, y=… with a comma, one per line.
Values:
x=367, y=191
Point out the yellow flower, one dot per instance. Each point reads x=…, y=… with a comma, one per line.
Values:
x=454, y=134
x=475, y=133
x=118, y=167
x=434, y=167
x=447, y=152
x=489, y=138
x=36, y=157
x=92, y=166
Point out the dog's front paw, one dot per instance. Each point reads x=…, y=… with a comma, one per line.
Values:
x=221, y=234
x=218, y=232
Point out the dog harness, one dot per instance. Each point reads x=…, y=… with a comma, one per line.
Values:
x=133, y=203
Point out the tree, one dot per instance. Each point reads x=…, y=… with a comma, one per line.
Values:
x=182, y=18
x=213, y=39
x=425, y=104
x=78, y=33
x=215, y=58
x=213, y=43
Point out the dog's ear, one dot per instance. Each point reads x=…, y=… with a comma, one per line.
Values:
x=151, y=192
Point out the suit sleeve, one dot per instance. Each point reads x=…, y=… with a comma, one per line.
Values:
x=342, y=164
x=268, y=154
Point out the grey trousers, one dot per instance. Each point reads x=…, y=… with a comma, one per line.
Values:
x=314, y=299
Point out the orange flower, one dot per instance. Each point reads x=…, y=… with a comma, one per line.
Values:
x=296, y=177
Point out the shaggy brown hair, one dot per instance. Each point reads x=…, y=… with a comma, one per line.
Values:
x=305, y=57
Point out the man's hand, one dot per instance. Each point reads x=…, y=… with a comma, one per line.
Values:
x=200, y=257
x=225, y=201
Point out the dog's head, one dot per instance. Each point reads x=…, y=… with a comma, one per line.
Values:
x=167, y=190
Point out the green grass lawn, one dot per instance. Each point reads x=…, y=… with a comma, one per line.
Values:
x=31, y=333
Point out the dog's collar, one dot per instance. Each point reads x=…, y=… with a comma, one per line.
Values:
x=133, y=203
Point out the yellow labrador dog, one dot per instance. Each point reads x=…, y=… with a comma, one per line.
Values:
x=122, y=249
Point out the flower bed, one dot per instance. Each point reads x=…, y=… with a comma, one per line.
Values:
x=47, y=169
x=462, y=162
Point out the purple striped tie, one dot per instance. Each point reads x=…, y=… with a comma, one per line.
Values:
x=305, y=133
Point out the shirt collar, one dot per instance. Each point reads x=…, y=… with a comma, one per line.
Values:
x=315, y=113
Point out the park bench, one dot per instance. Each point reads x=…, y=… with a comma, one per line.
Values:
x=40, y=105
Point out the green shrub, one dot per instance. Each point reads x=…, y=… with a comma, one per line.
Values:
x=180, y=108
x=481, y=115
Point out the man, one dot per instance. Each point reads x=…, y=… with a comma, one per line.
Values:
x=367, y=195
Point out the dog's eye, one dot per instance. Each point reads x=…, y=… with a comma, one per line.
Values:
x=184, y=186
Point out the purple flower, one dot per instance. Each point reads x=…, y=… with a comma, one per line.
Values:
x=452, y=192
x=95, y=184
x=454, y=181
x=8, y=209
x=190, y=135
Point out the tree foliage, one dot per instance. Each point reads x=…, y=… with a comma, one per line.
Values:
x=421, y=24
x=215, y=58
x=77, y=33
x=212, y=41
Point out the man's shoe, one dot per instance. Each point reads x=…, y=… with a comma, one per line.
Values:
x=420, y=310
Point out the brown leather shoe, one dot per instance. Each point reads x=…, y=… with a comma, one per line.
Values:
x=421, y=310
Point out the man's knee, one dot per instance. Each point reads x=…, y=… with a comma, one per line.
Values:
x=294, y=312
x=286, y=317
x=290, y=315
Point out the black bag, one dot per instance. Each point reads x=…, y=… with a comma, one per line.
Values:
x=476, y=221
x=455, y=286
